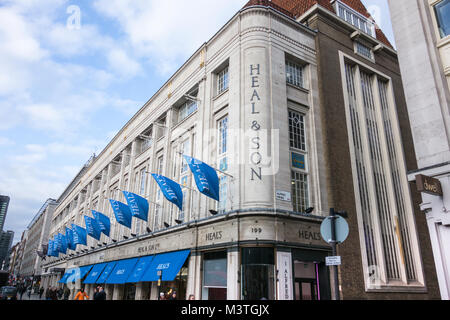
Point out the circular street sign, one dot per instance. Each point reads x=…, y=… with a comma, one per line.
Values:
x=341, y=229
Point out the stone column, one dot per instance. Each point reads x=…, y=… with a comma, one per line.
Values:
x=109, y=289
x=139, y=290
x=257, y=176
x=154, y=291
x=143, y=291
x=90, y=289
x=233, y=269
x=194, y=276
x=118, y=292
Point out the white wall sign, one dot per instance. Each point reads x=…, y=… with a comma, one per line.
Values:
x=283, y=195
x=284, y=284
x=333, y=261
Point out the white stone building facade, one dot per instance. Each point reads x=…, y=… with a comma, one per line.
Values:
x=233, y=106
x=422, y=32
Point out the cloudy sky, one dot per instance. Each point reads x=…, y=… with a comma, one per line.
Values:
x=74, y=72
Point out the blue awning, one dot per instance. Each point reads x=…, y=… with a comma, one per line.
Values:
x=66, y=275
x=169, y=263
x=122, y=271
x=140, y=268
x=95, y=273
x=79, y=273
x=106, y=272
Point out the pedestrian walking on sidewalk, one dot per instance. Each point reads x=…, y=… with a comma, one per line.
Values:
x=81, y=295
x=21, y=290
x=66, y=293
x=41, y=291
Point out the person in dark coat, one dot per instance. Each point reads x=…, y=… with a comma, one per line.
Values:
x=100, y=295
x=173, y=296
x=96, y=292
x=47, y=293
x=54, y=294
x=60, y=293
x=66, y=293
x=41, y=291
x=22, y=290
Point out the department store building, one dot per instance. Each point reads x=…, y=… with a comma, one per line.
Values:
x=276, y=102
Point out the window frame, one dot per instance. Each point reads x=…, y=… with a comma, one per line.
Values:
x=303, y=113
x=293, y=64
x=436, y=16
x=222, y=77
x=222, y=155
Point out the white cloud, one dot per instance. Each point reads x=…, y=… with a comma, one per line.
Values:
x=6, y=141
x=120, y=62
x=70, y=42
x=54, y=80
x=16, y=38
x=167, y=31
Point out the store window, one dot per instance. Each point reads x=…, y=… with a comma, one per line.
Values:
x=178, y=285
x=188, y=108
x=306, y=281
x=222, y=80
x=258, y=274
x=214, y=276
x=299, y=172
x=129, y=291
x=294, y=74
x=442, y=10
x=222, y=162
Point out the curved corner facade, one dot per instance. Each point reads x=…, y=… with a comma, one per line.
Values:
x=228, y=106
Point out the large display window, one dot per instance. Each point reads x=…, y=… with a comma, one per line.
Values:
x=214, y=276
x=258, y=274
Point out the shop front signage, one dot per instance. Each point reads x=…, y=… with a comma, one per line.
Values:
x=148, y=248
x=213, y=236
x=429, y=185
x=298, y=161
x=284, y=266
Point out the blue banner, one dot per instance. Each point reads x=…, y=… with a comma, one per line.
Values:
x=122, y=213
x=58, y=242
x=103, y=221
x=69, y=238
x=63, y=243
x=79, y=235
x=137, y=204
x=51, y=249
x=92, y=227
x=55, y=247
x=170, y=189
x=205, y=177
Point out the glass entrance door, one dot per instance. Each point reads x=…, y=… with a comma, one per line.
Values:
x=305, y=289
x=306, y=281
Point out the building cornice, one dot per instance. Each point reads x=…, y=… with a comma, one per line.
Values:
x=318, y=9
